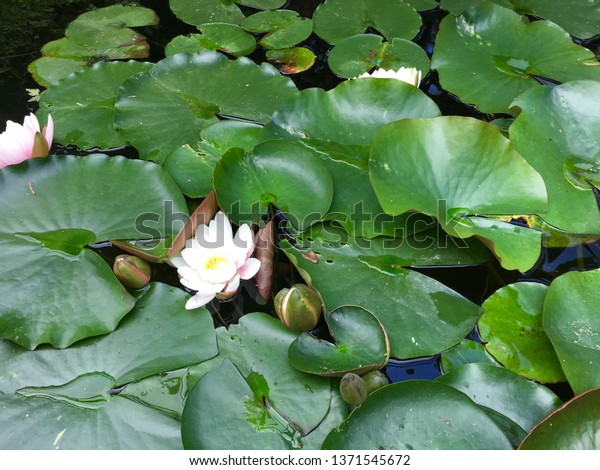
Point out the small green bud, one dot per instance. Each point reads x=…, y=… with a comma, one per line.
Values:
x=299, y=307
x=132, y=271
x=353, y=389
x=374, y=380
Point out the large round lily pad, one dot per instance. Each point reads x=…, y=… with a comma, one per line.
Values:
x=54, y=289
x=417, y=414
x=488, y=56
x=164, y=108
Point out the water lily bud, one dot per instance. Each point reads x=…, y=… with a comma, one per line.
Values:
x=299, y=307
x=132, y=271
x=374, y=380
x=353, y=389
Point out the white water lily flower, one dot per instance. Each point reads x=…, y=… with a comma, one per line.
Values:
x=20, y=142
x=405, y=74
x=213, y=262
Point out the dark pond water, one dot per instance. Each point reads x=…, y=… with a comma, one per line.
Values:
x=25, y=31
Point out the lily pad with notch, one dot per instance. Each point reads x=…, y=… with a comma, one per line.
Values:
x=283, y=28
x=225, y=37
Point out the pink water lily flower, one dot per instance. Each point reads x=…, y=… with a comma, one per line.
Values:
x=20, y=142
x=214, y=261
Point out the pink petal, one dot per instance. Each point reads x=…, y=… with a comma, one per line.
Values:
x=48, y=131
x=249, y=269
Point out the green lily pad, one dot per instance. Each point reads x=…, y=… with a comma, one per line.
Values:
x=164, y=108
x=259, y=400
x=573, y=426
x=465, y=352
x=557, y=126
x=320, y=120
x=69, y=398
x=48, y=71
x=421, y=316
x=522, y=401
x=293, y=60
x=572, y=324
x=336, y=20
x=488, y=46
x=422, y=5
x=511, y=325
x=581, y=18
x=417, y=414
x=277, y=172
x=225, y=37
x=65, y=48
x=83, y=104
x=284, y=28
x=452, y=166
x=358, y=54
x=53, y=208
x=360, y=345
x=217, y=11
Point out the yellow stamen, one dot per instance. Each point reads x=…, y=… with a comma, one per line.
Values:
x=213, y=262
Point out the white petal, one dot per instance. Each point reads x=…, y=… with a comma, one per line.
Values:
x=249, y=269
x=244, y=239
x=198, y=301
x=177, y=262
x=233, y=285
x=194, y=258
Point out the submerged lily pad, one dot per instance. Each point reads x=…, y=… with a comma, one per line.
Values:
x=450, y=167
x=83, y=105
x=417, y=414
x=573, y=426
x=336, y=20
x=53, y=208
x=284, y=28
x=164, y=108
x=69, y=399
x=572, y=323
x=557, y=131
x=360, y=345
x=490, y=46
x=511, y=325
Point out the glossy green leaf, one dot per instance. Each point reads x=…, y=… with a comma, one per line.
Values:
x=335, y=20
x=421, y=316
x=465, y=352
x=417, y=414
x=259, y=400
x=572, y=323
x=284, y=28
x=360, y=345
x=581, y=18
x=450, y=167
x=224, y=37
x=48, y=71
x=67, y=399
x=573, y=426
x=65, y=48
x=422, y=5
x=522, y=401
x=321, y=121
x=276, y=172
x=490, y=47
x=53, y=208
x=358, y=54
x=293, y=60
x=164, y=108
x=209, y=11
x=83, y=104
x=511, y=325
x=557, y=125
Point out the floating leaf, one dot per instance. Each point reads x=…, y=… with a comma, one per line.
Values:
x=277, y=172
x=572, y=324
x=556, y=126
x=465, y=352
x=210, y=11
x=356, y=55
x=360, y=345
x=417, y=414
x=83, y=104
x=284, y=28
x=224, y=37
x=369, y=273
x=336, y=20
x=68, y=399
x=53, y=208
x=511, y=325
x=164, y=108
x=293, y=60
x=48, y=71
x=574, y=426
x=320, y=120
x=489, y=47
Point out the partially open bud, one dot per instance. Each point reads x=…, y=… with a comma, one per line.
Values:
x=353, y=389
x=374, y=380
x=132, y=271
x=299, y=307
